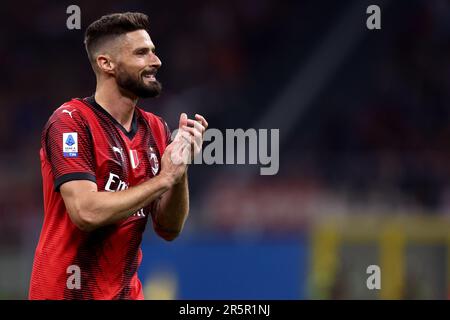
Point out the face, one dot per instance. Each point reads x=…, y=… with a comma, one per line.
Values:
x=137, y=65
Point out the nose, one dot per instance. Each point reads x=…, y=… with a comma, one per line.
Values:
x=156, y=62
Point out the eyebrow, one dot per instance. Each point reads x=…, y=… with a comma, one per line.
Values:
x=152, y=48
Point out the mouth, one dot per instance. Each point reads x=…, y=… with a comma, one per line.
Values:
x=149, y=76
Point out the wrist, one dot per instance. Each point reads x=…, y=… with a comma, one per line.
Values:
x=167, y=181
x=179, y=181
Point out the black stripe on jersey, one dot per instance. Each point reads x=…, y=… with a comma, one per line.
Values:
x=134, y=124
x=73, y=176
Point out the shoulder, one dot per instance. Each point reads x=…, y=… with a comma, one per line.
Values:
x=158, y=126
x=71, y=116
x=154, y=120
x=149, y=116
x=70, y=112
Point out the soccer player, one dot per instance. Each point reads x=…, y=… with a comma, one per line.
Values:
x=107, y=166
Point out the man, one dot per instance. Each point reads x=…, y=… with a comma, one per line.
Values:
x=106, y=166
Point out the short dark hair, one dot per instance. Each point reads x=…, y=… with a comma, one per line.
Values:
x=112, y=25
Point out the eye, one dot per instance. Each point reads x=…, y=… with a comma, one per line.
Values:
x=141, y=52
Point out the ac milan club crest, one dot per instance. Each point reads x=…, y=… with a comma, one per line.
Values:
x=154, y=163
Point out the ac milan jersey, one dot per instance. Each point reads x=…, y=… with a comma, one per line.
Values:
x=82, y=141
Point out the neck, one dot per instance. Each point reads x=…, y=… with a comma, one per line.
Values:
x=118, y=105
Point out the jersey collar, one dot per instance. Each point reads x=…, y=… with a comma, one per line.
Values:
x=134, y=125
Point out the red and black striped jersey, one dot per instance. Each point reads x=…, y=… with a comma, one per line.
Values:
x=82, y=141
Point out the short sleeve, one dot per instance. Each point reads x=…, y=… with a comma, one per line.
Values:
x=69, y=147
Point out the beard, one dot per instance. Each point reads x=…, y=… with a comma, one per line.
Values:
x=137, y=86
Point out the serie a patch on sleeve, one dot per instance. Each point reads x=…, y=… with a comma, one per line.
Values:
x=70, y=145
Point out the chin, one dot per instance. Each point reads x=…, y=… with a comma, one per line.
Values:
x=152, y=93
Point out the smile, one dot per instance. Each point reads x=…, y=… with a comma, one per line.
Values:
x=150, y=77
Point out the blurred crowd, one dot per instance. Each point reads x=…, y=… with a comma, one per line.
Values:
x=376, y=140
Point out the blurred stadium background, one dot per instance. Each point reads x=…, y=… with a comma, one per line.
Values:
x=364, y=152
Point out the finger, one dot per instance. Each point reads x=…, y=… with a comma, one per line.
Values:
x=197, y=149
x=202, y=120
x=183, y=120
x=186, y=155
x=196, y=124
x=179, y=133
x=184, y=137
x=194, y=132
x=175, y=154
x=196, y=139
x=183, y=151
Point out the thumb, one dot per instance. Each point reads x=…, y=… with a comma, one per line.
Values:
x=183, y=120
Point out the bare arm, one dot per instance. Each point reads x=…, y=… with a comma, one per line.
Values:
x=89, y=209
x=171, y=211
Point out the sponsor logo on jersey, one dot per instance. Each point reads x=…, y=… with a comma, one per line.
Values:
x=139, y=214
x=115, y=184
x=70, y=144
x=69, y=112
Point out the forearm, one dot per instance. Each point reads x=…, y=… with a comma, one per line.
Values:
x=172, y=210
x=111, y=207
x=94, y=209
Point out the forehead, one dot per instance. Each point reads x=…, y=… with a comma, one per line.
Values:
x=137, y=39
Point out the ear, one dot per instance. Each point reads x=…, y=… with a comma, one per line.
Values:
x=105, y=63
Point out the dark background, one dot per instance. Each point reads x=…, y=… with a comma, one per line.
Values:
x=365, y=140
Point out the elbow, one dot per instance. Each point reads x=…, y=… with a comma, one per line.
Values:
x=168, y=231
x=168, y=235
x=86, y=225
x=169, y=238
x=84, y=221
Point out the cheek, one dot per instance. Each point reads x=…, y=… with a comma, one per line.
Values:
x=131, y=67
x=136, y=64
